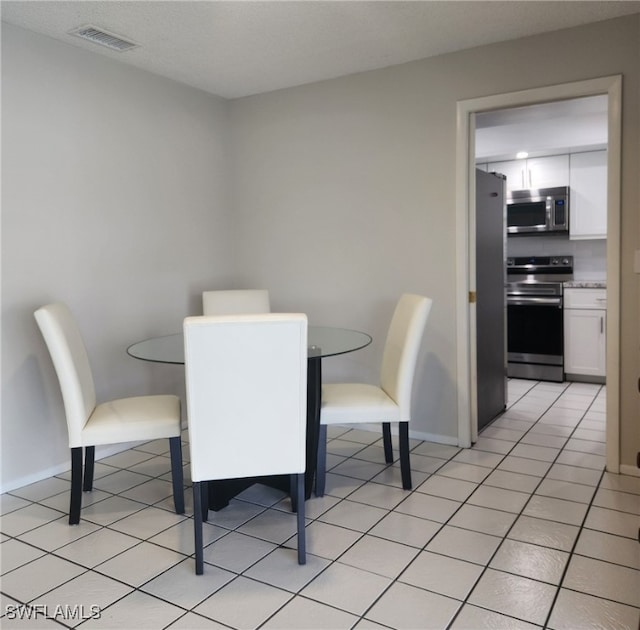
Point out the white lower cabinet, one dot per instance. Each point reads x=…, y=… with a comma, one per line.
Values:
x=585, y=325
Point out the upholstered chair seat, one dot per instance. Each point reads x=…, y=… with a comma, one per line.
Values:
x=387, y=403
x=89, y=424
x=132, y=420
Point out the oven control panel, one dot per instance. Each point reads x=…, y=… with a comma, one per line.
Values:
x=540, y=264
x=538, y=269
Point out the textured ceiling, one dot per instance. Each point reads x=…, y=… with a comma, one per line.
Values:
x=239, y=48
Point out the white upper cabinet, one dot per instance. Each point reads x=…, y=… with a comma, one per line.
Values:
x=513, y=170
x=548, y=172
x=586, y=175
x=541, y=172
x=588, y=195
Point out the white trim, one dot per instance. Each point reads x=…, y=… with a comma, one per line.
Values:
x=632, y=471
x=375, y=427
x=473, y=331
x=433, y=437
x=614, y=172
x=465, y=269
x=465, y=149
x=101, y=453
x=14, y=484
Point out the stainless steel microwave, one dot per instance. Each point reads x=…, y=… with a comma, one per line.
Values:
x=538, y=211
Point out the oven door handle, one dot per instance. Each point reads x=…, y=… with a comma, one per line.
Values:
x=534, y=301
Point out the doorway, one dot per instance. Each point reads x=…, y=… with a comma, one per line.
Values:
x=466, y=254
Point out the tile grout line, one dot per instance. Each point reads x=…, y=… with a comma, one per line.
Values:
x=520, y=513
x=367, y=532
x=444, y=524
x=572, y=552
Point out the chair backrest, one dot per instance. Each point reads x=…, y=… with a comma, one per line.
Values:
x=235, y=302
x=401, y=349
x=70, y=360
x=246, y=378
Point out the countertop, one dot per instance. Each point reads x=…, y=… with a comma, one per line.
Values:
x=585, y=284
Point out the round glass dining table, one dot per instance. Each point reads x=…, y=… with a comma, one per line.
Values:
x=323, y=341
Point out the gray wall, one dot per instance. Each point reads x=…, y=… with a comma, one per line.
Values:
x=338, y=197
x=118, y=188
x=344, y=196
x=114, y=200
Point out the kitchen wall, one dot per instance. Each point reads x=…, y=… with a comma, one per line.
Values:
x=115, y=200
x=344, y=193
x=562, y=127
x=589, y=256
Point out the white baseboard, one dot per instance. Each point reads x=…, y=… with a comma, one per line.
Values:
x=101, y=453
x=632, y=471
x=414, y=435
x=433, y=437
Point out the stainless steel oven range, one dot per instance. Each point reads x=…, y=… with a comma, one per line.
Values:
x=535, y=325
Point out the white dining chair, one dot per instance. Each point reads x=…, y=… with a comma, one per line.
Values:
x=246, y=378
x=389, y=402
x=89, y=424
x=235, y=302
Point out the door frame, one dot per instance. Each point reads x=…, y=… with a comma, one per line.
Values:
x=465, y=245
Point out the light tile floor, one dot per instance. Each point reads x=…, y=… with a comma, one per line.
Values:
x=524, y=530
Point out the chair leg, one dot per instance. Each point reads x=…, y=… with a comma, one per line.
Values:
x=197, y=527
x=89, y=465
x=204, y=500
x=293, y=492
x=302, y=538
x=386, y=442
x=321, y=463
x=175, y=446
x=76, y=485
x=405, y=465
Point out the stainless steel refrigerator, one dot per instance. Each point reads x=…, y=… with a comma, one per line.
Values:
x=491, y=308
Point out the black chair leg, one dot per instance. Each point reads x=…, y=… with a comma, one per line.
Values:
x=89, y=465
x=76, y=485
x=405, y=465
x=197, y=527
x=321, y=463
x=386, y=442
x=293, y=491
x=302, y=539
x=204, y=500
x=175, y=446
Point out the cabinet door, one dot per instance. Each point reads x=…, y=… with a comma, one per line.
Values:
x=547, y=172
x=588, y=195
x=542, y=172
x=585, y=342
x=513, y=170
x=585, y=298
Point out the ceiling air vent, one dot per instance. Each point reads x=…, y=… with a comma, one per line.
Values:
x=103, y=38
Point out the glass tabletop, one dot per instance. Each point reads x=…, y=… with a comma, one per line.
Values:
x=324, y=341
